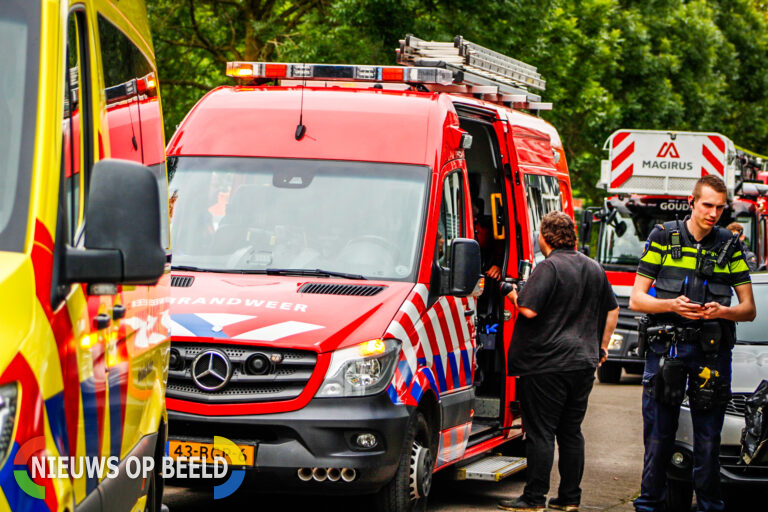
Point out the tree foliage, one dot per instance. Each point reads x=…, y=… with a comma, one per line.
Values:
x=609, y=64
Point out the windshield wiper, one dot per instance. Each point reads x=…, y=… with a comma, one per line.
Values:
x=310, y=272
x=189, y=268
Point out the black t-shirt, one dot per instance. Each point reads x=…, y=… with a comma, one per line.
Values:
x=571, y=296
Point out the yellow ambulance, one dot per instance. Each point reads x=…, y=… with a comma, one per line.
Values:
x=84, y=256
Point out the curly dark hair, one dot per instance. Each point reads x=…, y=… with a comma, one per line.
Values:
x=558, y=230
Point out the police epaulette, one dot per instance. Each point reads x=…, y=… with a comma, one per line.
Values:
x=661, y=227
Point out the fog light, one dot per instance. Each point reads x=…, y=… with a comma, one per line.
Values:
x=175, y=362
x=258, y=364
x=366, y=441
x=678, y=459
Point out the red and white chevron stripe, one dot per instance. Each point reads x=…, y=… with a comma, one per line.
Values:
x=435, y=336
x=713, y=151
x=623, y=147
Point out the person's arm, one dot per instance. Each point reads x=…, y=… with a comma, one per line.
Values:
x=744, y=311
x=526, y=312
x=611, y=319
x=532, y=299
x=641, y=302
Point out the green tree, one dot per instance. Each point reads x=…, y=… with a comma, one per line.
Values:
x=609, y=64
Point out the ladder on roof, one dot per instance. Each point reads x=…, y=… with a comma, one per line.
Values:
x=477, y=70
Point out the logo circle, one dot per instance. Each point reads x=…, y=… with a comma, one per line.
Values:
x=211, y=370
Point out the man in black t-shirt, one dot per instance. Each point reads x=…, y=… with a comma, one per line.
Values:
x=567, y=313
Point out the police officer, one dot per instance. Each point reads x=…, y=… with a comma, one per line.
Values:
x=690, y=333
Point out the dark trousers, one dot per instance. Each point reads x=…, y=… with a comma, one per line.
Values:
x=659, y=431
x=553, y=407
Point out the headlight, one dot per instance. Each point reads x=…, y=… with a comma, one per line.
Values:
x=361, y=370
x=8, y=395
x=616, y=341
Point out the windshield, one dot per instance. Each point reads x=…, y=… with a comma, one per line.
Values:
x=18, y=95
x=626, y=249
x=255, y=214
x=757, y=330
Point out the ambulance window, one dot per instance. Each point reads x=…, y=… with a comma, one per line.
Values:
x=75, y=153
x=20, y=41
x=450, y=224
x=119, y=65
x=543, y=196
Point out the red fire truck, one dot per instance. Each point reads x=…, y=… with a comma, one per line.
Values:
x=326, y=313
x=651, y=174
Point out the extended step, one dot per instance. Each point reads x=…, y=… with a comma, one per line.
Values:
x=492, y=468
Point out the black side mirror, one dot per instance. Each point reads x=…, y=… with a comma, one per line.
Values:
x=465, y=269
x=122, y=231
x=620, y=228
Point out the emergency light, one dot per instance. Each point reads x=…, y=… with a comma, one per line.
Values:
x=342, y=72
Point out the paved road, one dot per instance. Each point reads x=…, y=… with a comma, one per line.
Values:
x=613, y=433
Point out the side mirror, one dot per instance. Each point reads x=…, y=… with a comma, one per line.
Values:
x=465, y=269
x=620, y=228
x=122, y=230
x=585, y=233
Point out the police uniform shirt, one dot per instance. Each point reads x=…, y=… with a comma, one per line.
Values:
x=675, y=277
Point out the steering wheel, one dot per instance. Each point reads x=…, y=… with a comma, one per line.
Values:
x=377, y=240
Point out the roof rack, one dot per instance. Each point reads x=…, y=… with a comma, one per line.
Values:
x=477, y=70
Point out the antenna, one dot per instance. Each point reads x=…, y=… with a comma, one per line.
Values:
x=301, y=130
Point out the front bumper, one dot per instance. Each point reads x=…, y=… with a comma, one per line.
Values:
x=627, y=353
x=731, y=471
x=318, y=435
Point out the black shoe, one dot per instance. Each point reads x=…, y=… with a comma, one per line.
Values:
x=520, y=505
x=558, y=504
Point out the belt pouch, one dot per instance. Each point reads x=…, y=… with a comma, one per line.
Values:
x=710, y=337
x=671, y=381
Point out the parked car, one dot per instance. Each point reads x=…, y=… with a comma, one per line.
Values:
x=750, y=367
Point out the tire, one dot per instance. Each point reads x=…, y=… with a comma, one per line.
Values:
x=409, y=489
x=679, y=496
x=609, y=373
x=155, y=487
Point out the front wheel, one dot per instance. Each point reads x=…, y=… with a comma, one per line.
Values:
x=679, y=496
x=409, y=489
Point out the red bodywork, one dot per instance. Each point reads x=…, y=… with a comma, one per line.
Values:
x=376, y=126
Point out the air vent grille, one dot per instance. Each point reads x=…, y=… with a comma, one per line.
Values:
x=182, y=281
x=341, y=289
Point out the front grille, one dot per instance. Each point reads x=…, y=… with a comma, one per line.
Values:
x=182, y=281
x=341, y=289
x=730, y=460
x=738, y=404
x=283, y=380
x=627, y=318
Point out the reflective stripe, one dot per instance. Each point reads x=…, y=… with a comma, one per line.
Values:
x=738, y=266
x=659, y=246
x=686, y=262
x=652, y=258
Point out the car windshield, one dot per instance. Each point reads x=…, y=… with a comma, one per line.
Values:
x=262, y=214
x=17, y=116
x=757, y=330
x=622, y=239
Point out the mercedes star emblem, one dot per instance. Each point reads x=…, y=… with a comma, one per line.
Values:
x=211, y=370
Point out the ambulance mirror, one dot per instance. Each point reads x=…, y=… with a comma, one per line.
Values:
x=465, y=268
x=122, y=228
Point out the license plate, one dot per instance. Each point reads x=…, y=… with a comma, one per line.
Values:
x=205, y=453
